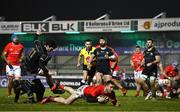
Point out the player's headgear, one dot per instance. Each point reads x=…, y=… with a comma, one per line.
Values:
x=14, y=36
x=175, y=64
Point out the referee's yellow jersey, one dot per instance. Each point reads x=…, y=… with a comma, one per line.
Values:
x=86, y=54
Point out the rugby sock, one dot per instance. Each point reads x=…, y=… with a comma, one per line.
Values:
x=61, y=86
x=168, y=88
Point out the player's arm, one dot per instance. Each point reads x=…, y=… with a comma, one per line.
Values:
x=110, y=56
x=166, y=76
x=22, y=55
x=114, y=63
x=91, y=99
x=165, y=73
x=156, y=61
x=44, y=58
x=177, y=77
x=5, y=53
x=42, y=64
x=131, y=62
x=90, y=61
x=4, y=56
x=112, y=98
x=142, y=62
x=17, y=90
x=79, y=59
x=161, y=68
x=39, y=47
x=37, y=34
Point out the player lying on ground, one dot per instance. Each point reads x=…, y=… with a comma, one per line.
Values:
x=29, y=88
x=169, y=81
x=89, y=93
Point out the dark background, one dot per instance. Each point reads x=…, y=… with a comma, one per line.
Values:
x=37, y=10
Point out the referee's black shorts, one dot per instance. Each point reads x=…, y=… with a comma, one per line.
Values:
x=91, y=72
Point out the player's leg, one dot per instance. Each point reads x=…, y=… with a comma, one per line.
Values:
x=114, y=80
x=62, y=100
x=145, y=85
x=91, y=74
x=10, y=86
x=107, y=77
x=152, y=85
x=54, y=87
x=162, y=85
x=137, y=82
x=178, y=91
x=69, y=89
x=69, y=100
x=99, y=78
x=85, y=74
x=118, y=83
x=17, y=72
x=49, y=80
x=138, y=87
x=10, y=76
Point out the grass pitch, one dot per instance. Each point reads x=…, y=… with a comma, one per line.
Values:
x=128, y=103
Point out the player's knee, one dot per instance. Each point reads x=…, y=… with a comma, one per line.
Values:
x=160, y=83
x=67, y=102
x=178, y=91
x=152, y=79
x=17, y=78
x=139, y=80
x=108, y=78
x=143, y=77
x=10, y=79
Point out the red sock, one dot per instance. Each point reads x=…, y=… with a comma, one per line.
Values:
x=61, y=86
x=168, y=88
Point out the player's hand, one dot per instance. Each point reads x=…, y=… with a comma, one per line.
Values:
x=38, y=32
x=132, y=64
x=40, y=72
x=8, y=62
x=111, y=70
x=141, y=64
x=149, y=64
x=20, y=61
x=177, y=78
x=171, y=78
x=161, y=72
x=117, y=104
x=106, y=56
x=89, y=66
x=78, y=65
